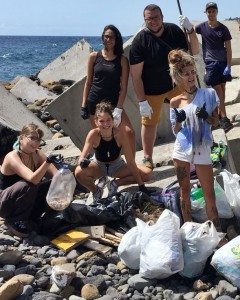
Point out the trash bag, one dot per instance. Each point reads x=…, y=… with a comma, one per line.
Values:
x=224, y=209
x=129, y=248
x=8, y=137
x=198, y=241
x=117, y=210
x=226, y=261
x=120, y=206
x=161, y=247
x=232, y=190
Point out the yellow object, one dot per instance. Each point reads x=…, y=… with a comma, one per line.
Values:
x=69, y=240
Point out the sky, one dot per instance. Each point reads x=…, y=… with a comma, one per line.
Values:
x=88, y=17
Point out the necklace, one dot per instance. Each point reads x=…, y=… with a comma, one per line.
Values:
x=28, y=162
x=191, y=95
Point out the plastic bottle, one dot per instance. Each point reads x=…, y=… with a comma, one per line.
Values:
x=196, y=196
x=60, y=193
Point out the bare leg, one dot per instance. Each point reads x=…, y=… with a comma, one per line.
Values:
x=87, y=176
x=220, y=90
x=148, y=134
x=183, y=171
x=92, y=120
x=125, y=177
x=126, y=126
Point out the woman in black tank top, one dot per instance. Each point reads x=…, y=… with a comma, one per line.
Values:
x=22, y=191
x=107, y=80
x=108, y=142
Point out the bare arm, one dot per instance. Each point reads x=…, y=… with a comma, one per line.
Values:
x=213, y=119
x=228, y=47
x=127, y=151
x=136, y=74
x=193, y=41
x=89, y=144
x=13, y=165
x=124, y=81
x=89, y=78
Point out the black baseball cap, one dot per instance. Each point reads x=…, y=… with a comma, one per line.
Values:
x=211, y=4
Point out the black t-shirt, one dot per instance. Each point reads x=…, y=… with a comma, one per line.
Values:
x=153, y=51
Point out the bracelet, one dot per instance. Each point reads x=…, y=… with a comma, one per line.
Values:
x=191, y=31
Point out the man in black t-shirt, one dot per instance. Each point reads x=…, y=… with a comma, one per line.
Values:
x=150, y=71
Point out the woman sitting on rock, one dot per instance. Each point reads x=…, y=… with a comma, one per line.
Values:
x=107, y=142
x=22, y=188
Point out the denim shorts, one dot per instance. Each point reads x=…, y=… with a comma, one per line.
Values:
x=109, y=168
x=214, y=73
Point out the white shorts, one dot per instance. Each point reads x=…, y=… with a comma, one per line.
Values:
x=200, y=156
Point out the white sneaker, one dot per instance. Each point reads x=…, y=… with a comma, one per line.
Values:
x=112, y=188
x=101, y=182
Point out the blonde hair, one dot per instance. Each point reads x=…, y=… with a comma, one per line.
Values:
x=29, y=128
x=179, y=59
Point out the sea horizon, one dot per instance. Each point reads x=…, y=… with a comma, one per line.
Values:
x=26, y=55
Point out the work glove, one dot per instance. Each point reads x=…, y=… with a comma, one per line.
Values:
x=84, y=113
x=142, y=188
x=180, y=115
x=201, y=112
x=185, y=23
x=117, y=116
x=54, y=158
x=145, y=109
x=84, y=163
x=227, y=70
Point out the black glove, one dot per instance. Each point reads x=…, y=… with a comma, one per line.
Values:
x=54, y=158
x=84, y=113
x=143, y=189
x=201, y=112
x=84, y=163
x=180, y=115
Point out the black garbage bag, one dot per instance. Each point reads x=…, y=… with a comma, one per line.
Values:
x=118, y=209
x=8, y=138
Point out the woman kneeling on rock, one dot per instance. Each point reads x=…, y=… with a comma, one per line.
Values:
x=22, y=190
x=107, y=142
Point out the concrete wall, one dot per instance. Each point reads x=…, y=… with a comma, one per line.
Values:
x=15, y=114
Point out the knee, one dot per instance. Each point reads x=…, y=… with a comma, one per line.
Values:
x=79, y=173
x=130, y=132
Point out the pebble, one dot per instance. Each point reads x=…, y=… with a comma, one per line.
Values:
x=32, y=268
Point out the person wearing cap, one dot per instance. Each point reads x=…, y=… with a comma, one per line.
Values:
x=217, y=55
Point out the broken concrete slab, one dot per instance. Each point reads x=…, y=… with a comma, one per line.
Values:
x=14, y=114
x=27, y=89
x=72, y=64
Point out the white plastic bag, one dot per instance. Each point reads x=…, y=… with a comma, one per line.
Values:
x=198, y=242
x=223, y=207
x=161, y=247
x=226, y=261
x=60, y=193
x=232, y=190
x=129, y=248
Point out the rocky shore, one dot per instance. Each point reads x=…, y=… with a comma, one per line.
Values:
x=31, y=268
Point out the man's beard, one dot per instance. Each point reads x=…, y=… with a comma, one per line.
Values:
x=155, y=32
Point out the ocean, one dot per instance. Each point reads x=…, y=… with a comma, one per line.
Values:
x=27, y=55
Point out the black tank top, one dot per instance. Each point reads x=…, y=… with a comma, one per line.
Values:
x=107, y=151
x=106, y=80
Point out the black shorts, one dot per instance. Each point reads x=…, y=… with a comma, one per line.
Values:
x=214, y=73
